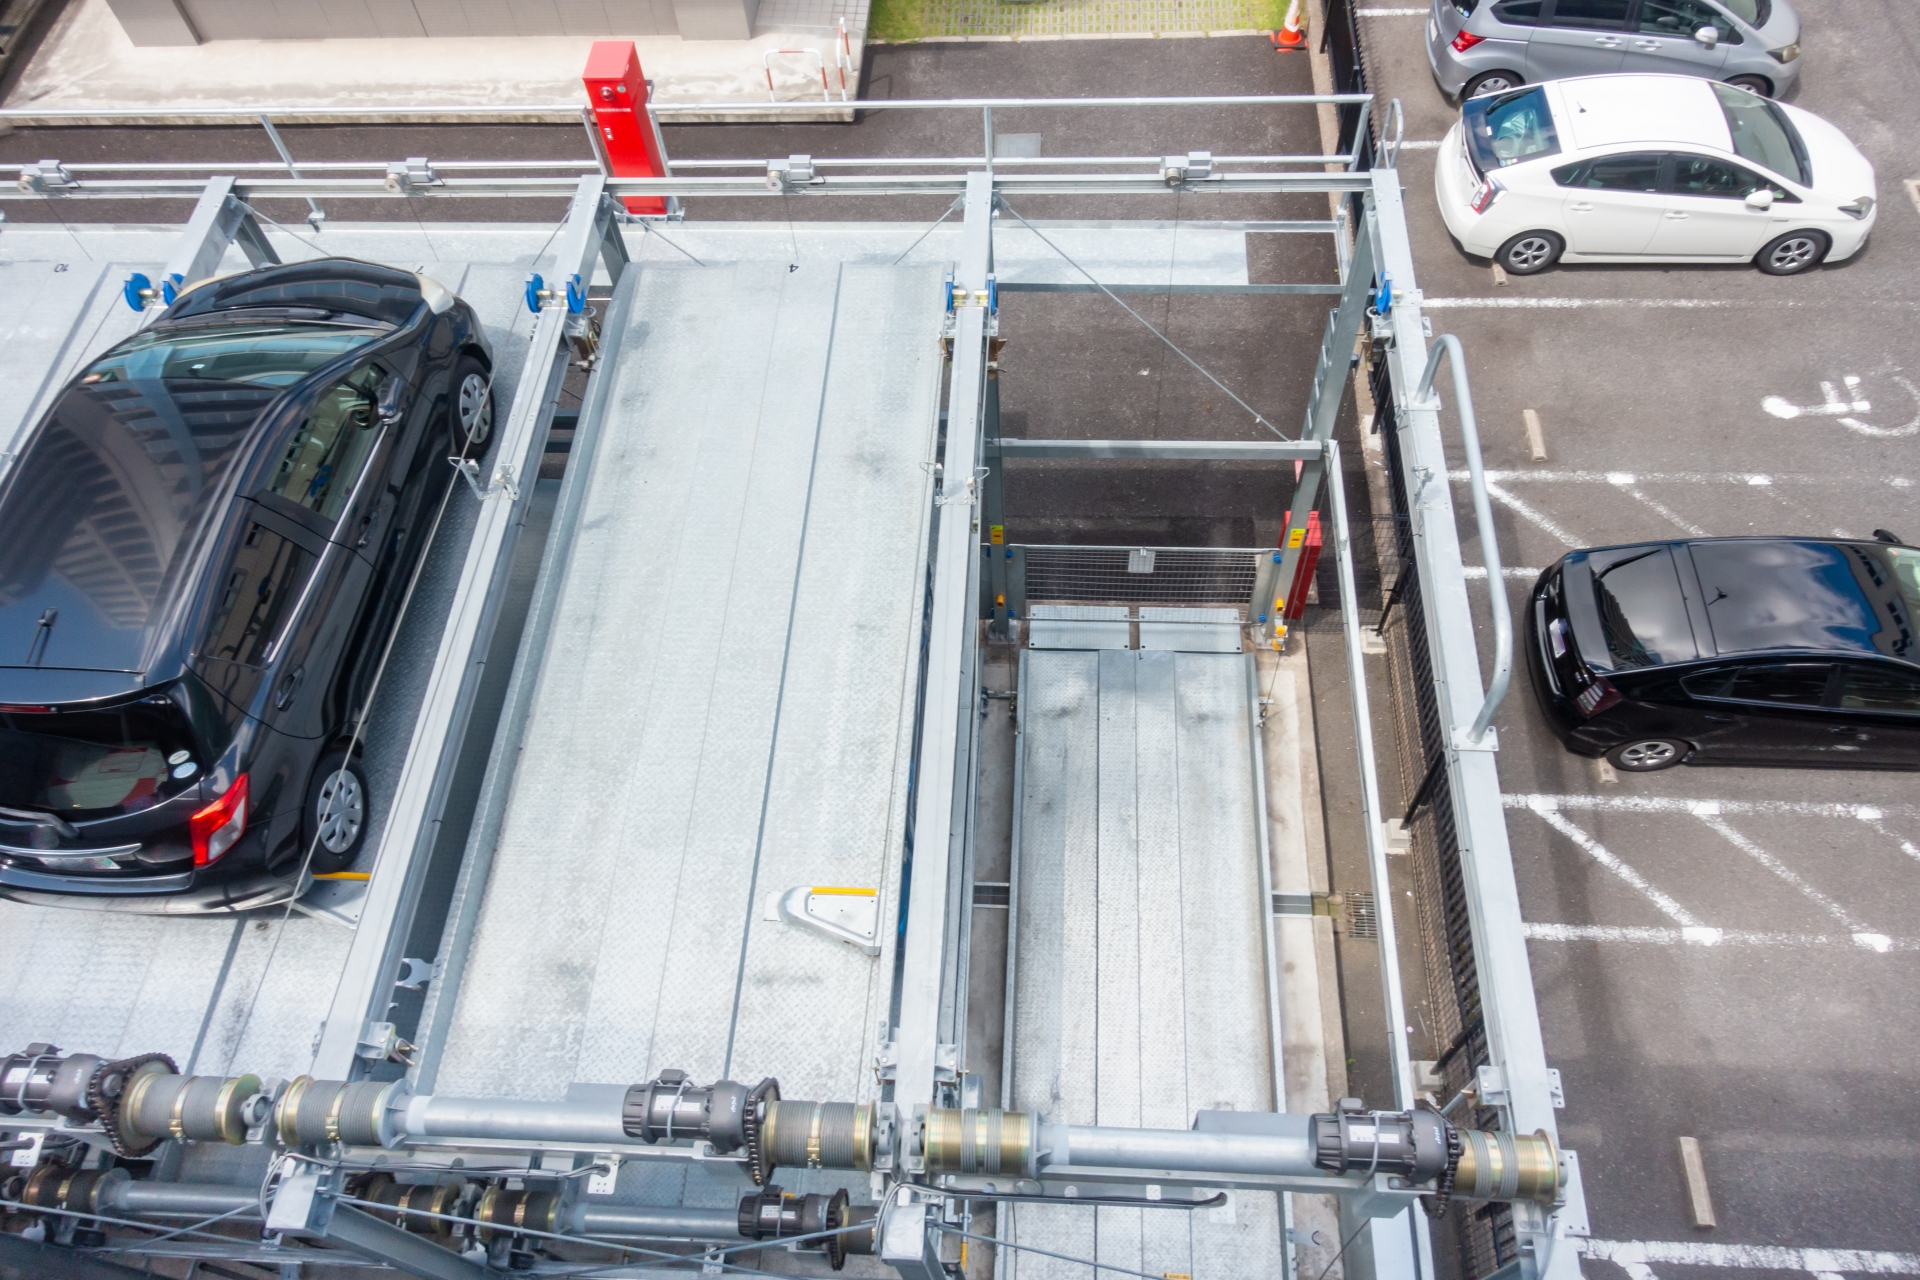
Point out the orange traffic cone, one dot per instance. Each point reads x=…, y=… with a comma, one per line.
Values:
x=1288, y=39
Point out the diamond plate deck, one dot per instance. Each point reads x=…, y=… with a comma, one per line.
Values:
x=725, y=705
x=1140, y=886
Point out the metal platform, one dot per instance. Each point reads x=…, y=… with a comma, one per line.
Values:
x=1140, y=884
x=725, y=703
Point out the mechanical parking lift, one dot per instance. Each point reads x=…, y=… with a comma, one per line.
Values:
x=661, y=958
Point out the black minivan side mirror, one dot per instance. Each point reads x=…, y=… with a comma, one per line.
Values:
x=387, y=404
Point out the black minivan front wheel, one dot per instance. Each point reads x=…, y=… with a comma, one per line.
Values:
x=334, y=821
x=472, y=408
x=1646, y=755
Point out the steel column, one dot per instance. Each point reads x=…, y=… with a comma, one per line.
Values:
x=994, y=488
x=1323, y=408
x=1516, y=1082
x=413, y=823
x=946, y=714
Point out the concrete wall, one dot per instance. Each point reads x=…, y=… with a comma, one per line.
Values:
x=178, y=22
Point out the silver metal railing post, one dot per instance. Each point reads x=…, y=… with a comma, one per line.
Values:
x=316, y=214
x=1425, y=398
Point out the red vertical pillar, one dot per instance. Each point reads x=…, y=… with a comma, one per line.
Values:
x=1308, y=540
x=618, y=92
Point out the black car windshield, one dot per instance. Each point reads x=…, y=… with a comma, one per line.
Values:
x=1768, y=594
x=276, y=355
x=1763, y=134
x=96, y=763
x=1643, y=615
x=1507, y=128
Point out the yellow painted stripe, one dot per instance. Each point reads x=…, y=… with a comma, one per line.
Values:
x=343, y=875
x=851, y=893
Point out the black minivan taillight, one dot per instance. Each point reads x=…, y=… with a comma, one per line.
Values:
x=1596, y=697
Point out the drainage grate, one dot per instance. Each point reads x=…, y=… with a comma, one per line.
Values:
x=1362, y=920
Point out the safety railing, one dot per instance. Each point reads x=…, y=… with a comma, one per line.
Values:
x=1425, y=398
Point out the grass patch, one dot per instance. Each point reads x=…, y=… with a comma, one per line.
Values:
x=895, y=21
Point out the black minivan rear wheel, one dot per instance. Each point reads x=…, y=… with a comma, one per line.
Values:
x=334, y=820
x=1647, y=755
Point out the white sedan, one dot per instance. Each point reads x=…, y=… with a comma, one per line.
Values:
x=1650, y=168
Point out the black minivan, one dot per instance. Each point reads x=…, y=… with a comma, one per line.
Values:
x=1784, y=651
x=204, y=544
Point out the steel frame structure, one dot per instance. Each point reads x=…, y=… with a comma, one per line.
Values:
x=920, y=1062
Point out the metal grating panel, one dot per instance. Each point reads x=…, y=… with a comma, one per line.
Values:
x=1178, y=575
x=1140, y=993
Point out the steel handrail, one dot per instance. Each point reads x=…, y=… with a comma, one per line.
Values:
x=1424, y=397
x=1397, y=116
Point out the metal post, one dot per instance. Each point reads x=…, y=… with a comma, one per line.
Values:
x=994, y=490
x=218, y=220
x=315, y=214
x=1515, y=1083
x=1323, y=408
x=947, y=712
x=413, y=823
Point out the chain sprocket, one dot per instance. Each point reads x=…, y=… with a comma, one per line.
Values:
x=108, y=1109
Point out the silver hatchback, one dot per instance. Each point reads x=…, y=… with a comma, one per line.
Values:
x=1485, y=46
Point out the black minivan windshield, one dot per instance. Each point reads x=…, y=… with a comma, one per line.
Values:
x=1507, y=128
x=276, y=355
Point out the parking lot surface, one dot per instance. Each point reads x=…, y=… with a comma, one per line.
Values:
x=1726, y=954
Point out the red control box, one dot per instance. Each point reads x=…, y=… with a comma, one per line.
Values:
x=617, y=90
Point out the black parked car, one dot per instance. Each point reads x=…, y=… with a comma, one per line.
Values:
x=203, y=548
x=1791, y=651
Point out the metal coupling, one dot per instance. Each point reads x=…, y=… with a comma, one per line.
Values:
x=1507, y=1166
x=408, y=1207
x=983, y=1141
x=819, y=1135
x=505, y=1213
x=357, y=1113
x=58, y=1186
x=1421, y=1147
x=671, y=1108
x=773, y=1214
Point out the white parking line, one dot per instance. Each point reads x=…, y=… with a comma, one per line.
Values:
x=1618, y=479
x=1527, y=513
x=1527, y=302
x=1665, y=804
x=1706, y=936
x=1478, y=572
x=1393, y=13
x=1668, y=907
x=1779, y=868
x=1630, y=1254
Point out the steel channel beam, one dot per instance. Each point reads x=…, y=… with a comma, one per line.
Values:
x=1041, y=286
x=220, y=218
x=1410, y=1232
x=947, y=713
x=413, y=821
x=1162, y=450
x=1521, y=1091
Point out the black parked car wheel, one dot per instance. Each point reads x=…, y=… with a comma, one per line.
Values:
x=1529, y=253
x=472, y=410
x=1491, y=82
x=1645, y=755
x=1753, y=84
x=336, y=812
x=1792, y=253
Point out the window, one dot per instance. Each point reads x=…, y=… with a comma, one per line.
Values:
x=119, y=760
x=1605, y=15
x=1681, y=18
x=257, y=598
x=260, y=355
x=1518, y=13
x=325, y=456
x=1706, y=176
x=1643, y=616
x=1752, y=12
x=1880, y=689
x=1762, y=134
x=1621, y=173
x=1787, y=684
x=1506, y=128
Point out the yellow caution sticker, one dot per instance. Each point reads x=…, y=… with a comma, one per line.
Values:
x=1295, y=538
x=996, y=534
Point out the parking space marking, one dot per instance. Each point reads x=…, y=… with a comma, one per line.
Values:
x=1600, y=854
x=1781, y=869
x=1478, y=572
x=1527, y=513
x=1526, y=301
x=1664, y=804
x=1393, y=13
x=1637, y=1256
x=1617, y=478
x=1706, y=936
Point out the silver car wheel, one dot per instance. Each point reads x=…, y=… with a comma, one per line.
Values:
x=476, y=409
x=1530, y=254
x=342, y=810
x=1793, y=254
x=1492, y=84
x=1653, y=754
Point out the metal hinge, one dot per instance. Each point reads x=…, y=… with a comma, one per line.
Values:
x=47, y=176
x=415, y=171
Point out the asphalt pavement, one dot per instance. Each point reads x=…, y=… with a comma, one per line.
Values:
x=1726, y=954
